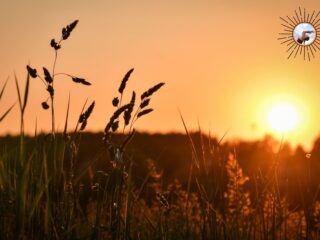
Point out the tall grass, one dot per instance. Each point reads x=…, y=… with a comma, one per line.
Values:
x=44, y=195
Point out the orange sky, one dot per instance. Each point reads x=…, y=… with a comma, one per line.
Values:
x=221, y=61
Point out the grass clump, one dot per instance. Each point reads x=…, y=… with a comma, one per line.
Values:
x=41, y=189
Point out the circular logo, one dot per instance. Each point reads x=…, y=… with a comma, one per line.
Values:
x=304, y=34
x=300, y=33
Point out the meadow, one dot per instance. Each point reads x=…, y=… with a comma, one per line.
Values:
x=122, y=184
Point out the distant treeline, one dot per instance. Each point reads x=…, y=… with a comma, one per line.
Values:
x=298, y=171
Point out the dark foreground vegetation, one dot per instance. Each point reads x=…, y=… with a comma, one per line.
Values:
x=120, y=184
x=168, y=187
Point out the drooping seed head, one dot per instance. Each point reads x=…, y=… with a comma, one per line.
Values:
x=45, y=105
x=76, y=79
x=80, y=80
x=54, y=44
x=115, y=102
x=32, y=71
x=84, y=82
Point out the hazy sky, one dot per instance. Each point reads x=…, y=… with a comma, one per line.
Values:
x=221, y=61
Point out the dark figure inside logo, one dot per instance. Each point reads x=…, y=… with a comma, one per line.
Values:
x=304, y=37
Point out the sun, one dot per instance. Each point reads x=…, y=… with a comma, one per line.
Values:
x=283, y=117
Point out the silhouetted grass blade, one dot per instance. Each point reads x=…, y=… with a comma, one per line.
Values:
x=67, y=118
x=127, y=140
x=3, y=88
x=26, y=94
x=18, y=91
x=7, y=112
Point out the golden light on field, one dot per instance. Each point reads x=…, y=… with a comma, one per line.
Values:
x=283, y=117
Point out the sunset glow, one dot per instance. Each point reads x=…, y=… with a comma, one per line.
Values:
x=217, y=58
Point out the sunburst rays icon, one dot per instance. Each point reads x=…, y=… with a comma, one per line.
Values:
x=300, y=33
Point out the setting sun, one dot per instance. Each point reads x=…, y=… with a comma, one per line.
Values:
x=283, y=117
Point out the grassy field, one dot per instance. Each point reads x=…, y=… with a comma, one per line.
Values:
x=57, y=186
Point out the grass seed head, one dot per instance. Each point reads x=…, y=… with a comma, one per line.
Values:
x=115, y=126
x=115, y=116
x=76, y=80
x=45, y=105
x=54, y=44
x=128, y=112
x=124, y=81
x=84, y=82
x=83, y=125
x=115, y=102
x=68, y=29
x=89, y=110
x=145, y=103
x=50, y=90
x=32, y=71
x=85, y=116
x=80, y=80
x=127, y=117
x=152, y=90
x=81, y=118
x=144, y=112
x=47, y=75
